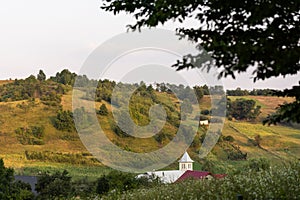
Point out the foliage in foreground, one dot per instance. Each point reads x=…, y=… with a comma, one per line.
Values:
x=274, y=183
x=11, y=189
x=238, y=35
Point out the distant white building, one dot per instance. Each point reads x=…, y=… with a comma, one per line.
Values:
x=204, y=122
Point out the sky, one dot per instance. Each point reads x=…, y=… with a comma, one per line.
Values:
x=54, y=35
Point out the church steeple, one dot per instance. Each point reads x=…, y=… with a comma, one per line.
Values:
x=185, y=163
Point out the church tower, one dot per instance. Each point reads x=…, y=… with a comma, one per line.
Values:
x=185, y=163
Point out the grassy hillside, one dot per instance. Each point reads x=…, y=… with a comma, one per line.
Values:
x=63, y=149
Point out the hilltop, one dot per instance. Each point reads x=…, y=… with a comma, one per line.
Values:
x=37, y=130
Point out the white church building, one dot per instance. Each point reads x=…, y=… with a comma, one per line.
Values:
x=170, y=176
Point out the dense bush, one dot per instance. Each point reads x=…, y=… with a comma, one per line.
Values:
x=31, y=136
x=103, y=110
x=119, y=182
x=64, y=121
x=64, y=77
x=61, y=157
x=51, y=186
x=234, y=152
x=259, y=164
x=11, y=189
x=243, y=109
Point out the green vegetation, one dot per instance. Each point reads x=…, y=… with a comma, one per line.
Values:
x=257, y=180
x=103, y=110
x=64, y=121
x=281, y=182
x=11, y=189
x=255, y=92
x=48, y=91
x=75, y=159
x=57, y=185
x=242, y=109
x=31, y=136
x=119, y=182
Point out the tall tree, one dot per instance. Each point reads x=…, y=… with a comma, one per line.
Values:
x=243, y=109
x=261, y=35
x=41, y=76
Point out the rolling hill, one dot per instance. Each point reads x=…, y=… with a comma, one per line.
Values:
x=59, y=149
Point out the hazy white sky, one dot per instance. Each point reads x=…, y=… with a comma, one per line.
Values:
x=53, y=35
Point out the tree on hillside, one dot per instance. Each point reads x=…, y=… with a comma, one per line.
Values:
x=103, y=110
x=199, y=92
x=41, y=76
x=243, y=109
x=64, y=77
x=238, y=35
x=64, y=121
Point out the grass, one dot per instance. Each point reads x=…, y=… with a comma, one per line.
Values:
x=2, y=82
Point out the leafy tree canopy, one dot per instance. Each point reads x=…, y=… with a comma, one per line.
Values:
x=243, y=109
x=11, y=189
x=261, y=35
x=41, y=76
x=52, y=186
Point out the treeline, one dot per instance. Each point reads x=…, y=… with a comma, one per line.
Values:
x=255, y=92
x=52, y=88
x=33, y=87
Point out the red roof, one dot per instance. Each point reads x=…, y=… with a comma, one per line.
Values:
x=193, y=175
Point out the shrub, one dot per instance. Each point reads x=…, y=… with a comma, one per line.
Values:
x=51, y=186
x=31, y=136
x=120, y=181
x=103, y=110
x=228, y=138
x=64, y=121
x=205, y=112
x=116, y=180
x=258, y=164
